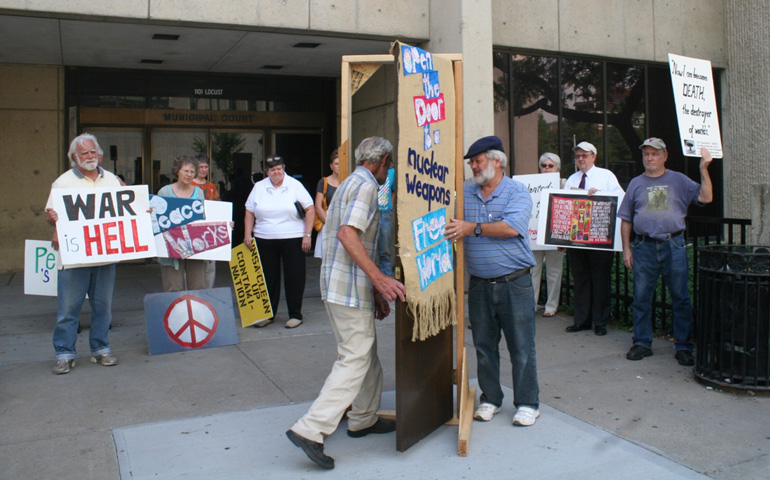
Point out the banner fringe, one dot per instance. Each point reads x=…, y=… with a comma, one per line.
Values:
x=433, y=314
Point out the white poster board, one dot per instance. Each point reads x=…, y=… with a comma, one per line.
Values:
x=41, y=268
x=103, y=225
x=221, y=212
x=574, y=219
x=696, y=106
x=536, y=184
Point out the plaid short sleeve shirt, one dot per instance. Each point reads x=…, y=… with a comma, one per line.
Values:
x=355, y=204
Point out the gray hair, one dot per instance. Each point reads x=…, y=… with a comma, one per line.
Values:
x=372, y=149
x=78, y=142
x=552, y=157
x=180, y=162
x=498, y=155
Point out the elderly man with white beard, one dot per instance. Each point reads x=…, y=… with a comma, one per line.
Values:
x=98, y=281
x=500, y=297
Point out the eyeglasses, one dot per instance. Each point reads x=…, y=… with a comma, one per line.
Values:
x=583, y=155
x=548, y=165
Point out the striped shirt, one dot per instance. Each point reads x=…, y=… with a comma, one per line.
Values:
x=488, y=257
x=355, y=204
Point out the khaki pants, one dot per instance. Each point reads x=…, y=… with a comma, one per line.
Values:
x=355, y=379
x=190, y=276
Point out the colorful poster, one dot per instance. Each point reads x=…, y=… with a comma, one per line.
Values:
x=41, y=267
x=434, y=263
x=191, y=320
x=696, y=105
x=579, y=221
x=414, y=60
x=170, y=212
x=208, y=239
x=102, y=225
x=428, y=229
x=537, y=184
x=249, y=284
x=425, y=186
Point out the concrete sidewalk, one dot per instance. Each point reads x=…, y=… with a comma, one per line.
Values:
x=601, y=412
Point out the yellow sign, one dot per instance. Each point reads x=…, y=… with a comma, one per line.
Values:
x=249, y=284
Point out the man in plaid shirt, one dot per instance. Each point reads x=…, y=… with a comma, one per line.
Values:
x=355, y=292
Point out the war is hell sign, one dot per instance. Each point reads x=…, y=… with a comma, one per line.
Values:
x=98, y=225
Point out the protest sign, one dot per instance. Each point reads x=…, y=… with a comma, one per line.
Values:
x=170, y=212
x=102, y=225
x=41, y=267
x=208, y=239
x=696, y=106
x=180, y=321
x=425, y=184
x=537, y=184
x=578, y=220
x=249, y=284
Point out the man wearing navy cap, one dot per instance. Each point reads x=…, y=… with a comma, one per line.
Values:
x=590, y=268
x=498, y=258
x=655, y=208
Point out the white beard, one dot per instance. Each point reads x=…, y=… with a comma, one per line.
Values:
x=89, y=165
x=486, y=175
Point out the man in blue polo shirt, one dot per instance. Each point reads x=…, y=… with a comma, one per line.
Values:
x=498, y=258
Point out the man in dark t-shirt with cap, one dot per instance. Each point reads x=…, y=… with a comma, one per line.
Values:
x=655, y=207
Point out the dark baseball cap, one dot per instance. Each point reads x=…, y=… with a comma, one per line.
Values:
x=484, y=145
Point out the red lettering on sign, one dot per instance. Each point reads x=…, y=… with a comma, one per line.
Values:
x=109, y=238
x=123, y=246
x=101, y=239
x=90, y=239
x=139, y=248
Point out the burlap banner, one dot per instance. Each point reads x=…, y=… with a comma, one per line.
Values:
x=425, y=186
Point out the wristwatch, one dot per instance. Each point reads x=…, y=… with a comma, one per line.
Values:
x=308, y=235
x=477, y=231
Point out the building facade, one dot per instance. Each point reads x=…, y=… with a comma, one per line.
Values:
x=241, y=80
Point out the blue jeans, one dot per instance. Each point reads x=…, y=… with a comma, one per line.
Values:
x=73, y=284
x=384, y=242
x=507, y=307
x=650, y=260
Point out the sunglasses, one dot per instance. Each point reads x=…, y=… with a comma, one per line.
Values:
x=548, y=165
x=274, y=161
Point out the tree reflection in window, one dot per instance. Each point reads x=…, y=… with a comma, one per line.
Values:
x=558, y=102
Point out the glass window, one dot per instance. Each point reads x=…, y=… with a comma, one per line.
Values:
x=550, y=103
x=582, y=109
x=625, y=120
x=535, y=110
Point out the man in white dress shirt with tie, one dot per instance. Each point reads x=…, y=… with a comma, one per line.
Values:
x=591, y=268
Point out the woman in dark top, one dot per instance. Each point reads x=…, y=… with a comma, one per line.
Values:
x=323, y=197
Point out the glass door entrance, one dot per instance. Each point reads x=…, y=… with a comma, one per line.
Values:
x=303, y=153
x=122, y=152
x=231, y=153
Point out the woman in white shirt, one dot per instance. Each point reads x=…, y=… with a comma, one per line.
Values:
x=282, y=235
x=553, y=259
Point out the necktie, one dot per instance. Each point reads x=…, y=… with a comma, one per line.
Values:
x=582, y=185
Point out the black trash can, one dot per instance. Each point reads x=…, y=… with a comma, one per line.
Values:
x=733, y=329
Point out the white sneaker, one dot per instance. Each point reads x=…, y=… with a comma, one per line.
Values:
x=525, y=416
x=486, y=411
x=293, y=323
